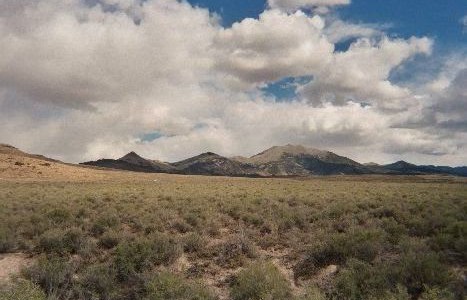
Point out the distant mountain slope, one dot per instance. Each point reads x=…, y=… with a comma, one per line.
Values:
x=213, y=164
x=297, y=160
x=284, y=161
x=18, y=165
x=10, y=150
x=408, y=168
x=133, y=162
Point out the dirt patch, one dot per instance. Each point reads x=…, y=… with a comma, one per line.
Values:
x=11, y=264
x=325, y=276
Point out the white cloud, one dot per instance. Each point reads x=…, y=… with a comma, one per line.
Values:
x=362, y=73
x=463, y=21
x=84, y=81
x=341, y=31
x=293, y=5
x=73, y=55
x=275, y=46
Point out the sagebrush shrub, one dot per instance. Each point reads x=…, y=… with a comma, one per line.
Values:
x=7, y=240
x=168, y=286
x=57, y=241
x=53, y=274
x=22, y=290
x=261, y=280
x=99, y=281
x=133, y=257
x=109, y=240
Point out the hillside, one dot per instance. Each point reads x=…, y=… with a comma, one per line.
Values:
x=133, y=162
x=17, y=165
x=296, y=160
x=213, y=164
x=286, y=160
x=408, y=168
x=278, y=161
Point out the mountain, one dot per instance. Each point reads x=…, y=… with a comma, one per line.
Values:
x=213, y=164
x=296, y=160
x=10, y=150
x=18, y=165
x=204, y=164
x=404, y=167
x=277, y=161
x=133, y=162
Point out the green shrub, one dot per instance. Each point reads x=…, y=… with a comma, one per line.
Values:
x=167, y=286
x=437, y=294
x=415, y=271
x=235, y=251
x=260, y=281
x=400, y=293
x=59, y=216
x=98, y=282
x=103, y=223
x=54, y=275
x=194, y=219
x=109, y=240
x=7, y=240
x=420, y=270
x=362, y=280
x=35, y=226
x=137, y=256
x=166, y=250
x=132, y=258
x=22, y=290
x=182, y=226
x=60, y=242
x=452, y=240
x=74, y=239
x=51, y=241
x=312, y=293
x=364, y=245
x=193, y=243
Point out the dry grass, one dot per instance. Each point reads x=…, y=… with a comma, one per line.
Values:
x=123, y=235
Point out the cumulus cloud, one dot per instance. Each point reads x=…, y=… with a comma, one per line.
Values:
x=450, y=104
x=70, y=54
x=274, y=46
x=86, y=79
x=341, y=31
x=293, y=5
x=361, y=73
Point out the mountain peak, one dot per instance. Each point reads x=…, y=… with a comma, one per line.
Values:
x=130, y=156
x=276, y=153
x=402, y=163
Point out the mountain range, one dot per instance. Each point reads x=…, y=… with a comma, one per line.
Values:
x=278, y=161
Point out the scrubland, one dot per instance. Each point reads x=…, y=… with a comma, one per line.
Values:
x=186, y=237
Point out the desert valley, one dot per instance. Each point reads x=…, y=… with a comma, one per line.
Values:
x=84, y=232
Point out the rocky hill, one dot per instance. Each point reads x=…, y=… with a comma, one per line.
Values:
x=296, y=160
x=133, y=162
x=278, y=161
x=411, y=169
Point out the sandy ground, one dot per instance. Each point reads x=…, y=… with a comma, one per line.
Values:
x=11, y=264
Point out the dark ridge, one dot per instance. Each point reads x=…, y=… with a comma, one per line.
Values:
x=277, y=161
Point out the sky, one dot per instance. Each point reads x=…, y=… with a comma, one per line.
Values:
x=380, y=80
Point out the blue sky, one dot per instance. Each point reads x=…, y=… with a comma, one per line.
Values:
x=439, y=19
